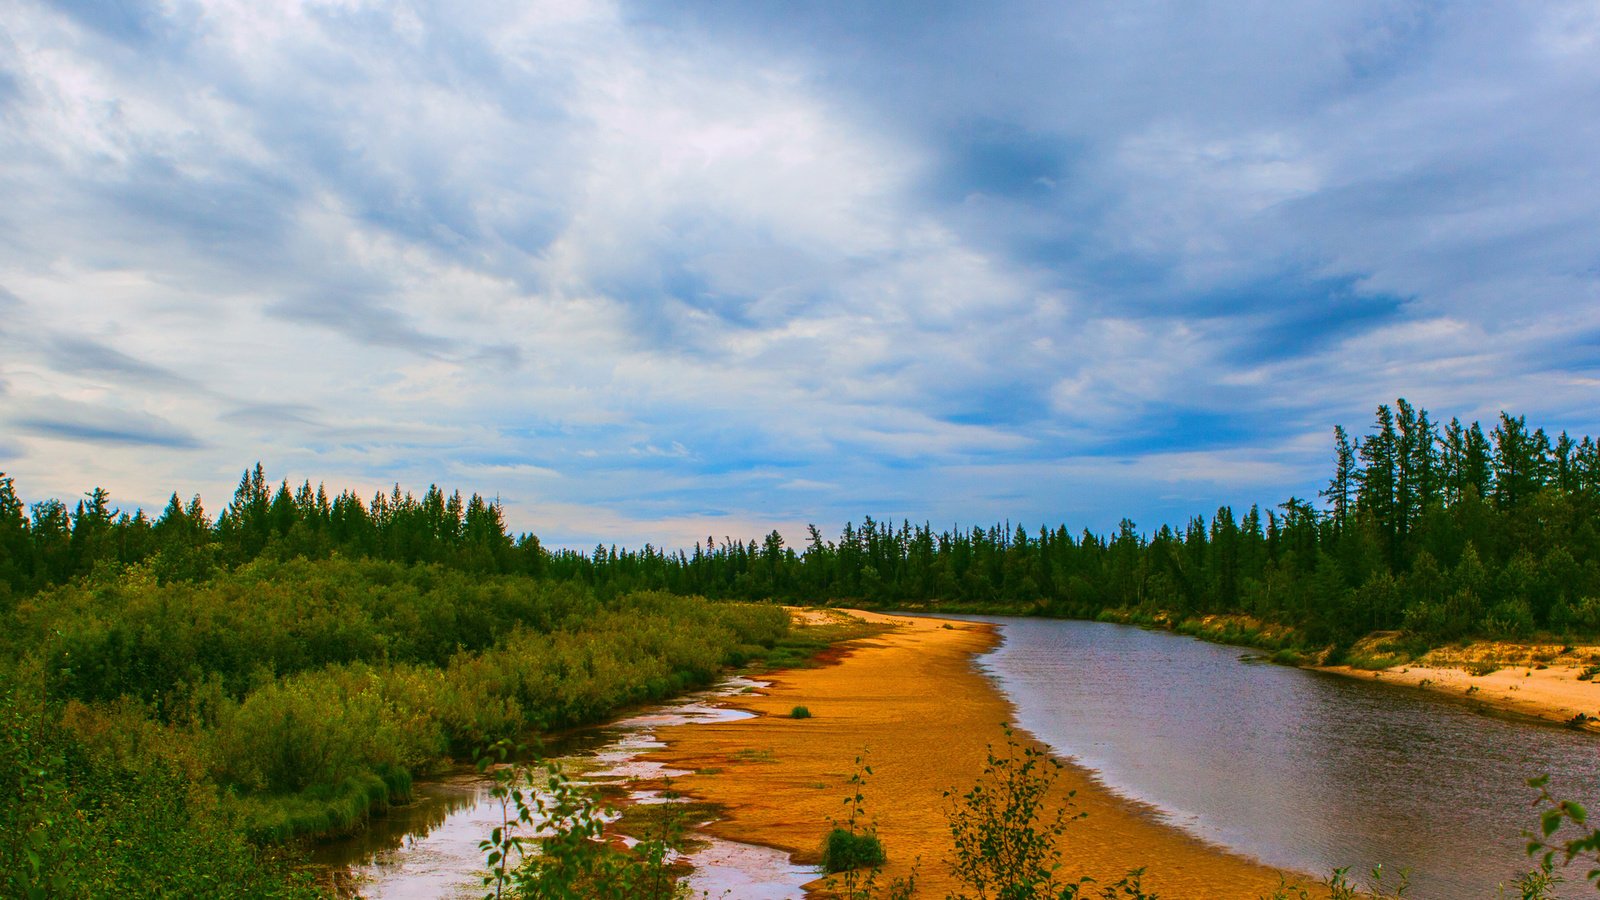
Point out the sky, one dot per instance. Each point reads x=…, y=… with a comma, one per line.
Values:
x=658, y=271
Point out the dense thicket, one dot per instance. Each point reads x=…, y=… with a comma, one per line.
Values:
x=76, y=822
x=192, y=720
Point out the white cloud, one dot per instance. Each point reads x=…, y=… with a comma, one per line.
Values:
x=655, y=274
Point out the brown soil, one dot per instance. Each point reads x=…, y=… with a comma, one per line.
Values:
x=913, y=702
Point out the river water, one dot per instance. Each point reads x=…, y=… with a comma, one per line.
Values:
x=1302, y=770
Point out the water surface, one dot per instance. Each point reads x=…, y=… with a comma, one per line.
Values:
x=1302, y=770
x=429, y=848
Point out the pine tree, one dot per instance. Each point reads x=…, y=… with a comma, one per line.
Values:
x=1519, y=461
x=1341, y=490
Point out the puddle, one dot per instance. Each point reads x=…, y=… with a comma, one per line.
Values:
x=726, y=869
x=429, y=848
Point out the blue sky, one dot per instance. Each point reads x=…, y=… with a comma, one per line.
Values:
x=657, y=271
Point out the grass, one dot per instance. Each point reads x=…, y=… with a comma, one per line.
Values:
x=323, y=809
x=644, y=820
x=799, y=648
x=1357, y=659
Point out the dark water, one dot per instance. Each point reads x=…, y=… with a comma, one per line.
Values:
x=1299, y=769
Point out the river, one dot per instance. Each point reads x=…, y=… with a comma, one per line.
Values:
x=1300, y=769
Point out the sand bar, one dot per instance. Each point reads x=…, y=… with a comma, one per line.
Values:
x=914, y=701
x=1543, y=681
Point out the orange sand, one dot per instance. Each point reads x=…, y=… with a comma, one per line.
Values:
x=912, y=699
x=1538, y=680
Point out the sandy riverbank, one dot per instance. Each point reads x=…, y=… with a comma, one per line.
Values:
x=1535, y=680
x=912, y=698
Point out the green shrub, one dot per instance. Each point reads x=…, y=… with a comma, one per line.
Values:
x=799, y=712
x=1007, y=841
x=843, y=849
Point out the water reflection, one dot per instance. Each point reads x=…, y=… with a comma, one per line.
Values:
x=429, y=848
x=1300, y=769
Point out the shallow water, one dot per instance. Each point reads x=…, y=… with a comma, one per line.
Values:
x=429, y=848
x=1300, y=769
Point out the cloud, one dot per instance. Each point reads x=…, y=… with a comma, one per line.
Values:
x=359, y=319
x=9, y=302
x=273, y=415
x=76, y=354
x=99, y=425
x=738, y=264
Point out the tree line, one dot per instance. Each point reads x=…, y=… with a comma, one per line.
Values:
x=1442, y=530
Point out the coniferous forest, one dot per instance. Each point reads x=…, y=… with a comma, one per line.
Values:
x=1441, y=530
x=180, y=695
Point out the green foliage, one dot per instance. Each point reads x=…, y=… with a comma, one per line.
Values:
x=843, y=849
x=852, y=853
x=1446, y=531
x=853, y=841
x=306, y=694
x=78, y=822
x=1539, y=883
x=567, y=822
x=302, y=656
x=1338, y=886
x=800, y=712
x=1564, y=833
x=1007, y=840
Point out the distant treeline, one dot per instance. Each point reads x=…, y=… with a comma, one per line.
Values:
x=1443, y=531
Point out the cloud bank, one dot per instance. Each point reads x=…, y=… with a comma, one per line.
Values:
x=658, y=271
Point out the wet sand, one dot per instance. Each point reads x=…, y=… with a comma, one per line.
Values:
x=1536, y=680
x=913, y=701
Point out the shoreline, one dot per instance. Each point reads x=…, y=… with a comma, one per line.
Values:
x=1533, y=681
x=913, y=699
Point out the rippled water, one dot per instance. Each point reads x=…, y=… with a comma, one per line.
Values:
x=1300, y=769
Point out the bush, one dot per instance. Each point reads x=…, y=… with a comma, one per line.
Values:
x=844, y=849
x=1007, y=839
x=78, y=822
x=799, y=712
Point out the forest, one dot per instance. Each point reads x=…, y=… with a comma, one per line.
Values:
x=1443, y=531
x=182, y=696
